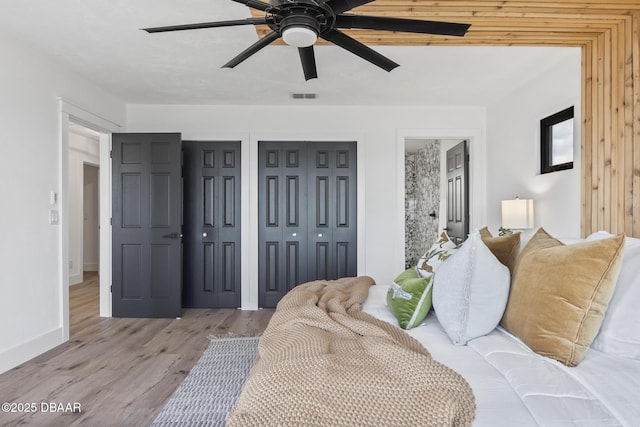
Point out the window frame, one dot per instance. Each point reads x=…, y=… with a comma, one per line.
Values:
x=546, y=140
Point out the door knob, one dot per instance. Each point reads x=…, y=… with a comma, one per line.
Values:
x=204, y=234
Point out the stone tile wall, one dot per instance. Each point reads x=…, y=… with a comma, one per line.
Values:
x=422, y=197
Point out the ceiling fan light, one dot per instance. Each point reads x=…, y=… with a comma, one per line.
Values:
x=299, y=36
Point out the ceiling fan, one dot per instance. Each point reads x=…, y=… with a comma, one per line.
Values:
x=301, y=22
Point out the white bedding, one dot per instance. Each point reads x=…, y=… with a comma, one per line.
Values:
x=515, y=387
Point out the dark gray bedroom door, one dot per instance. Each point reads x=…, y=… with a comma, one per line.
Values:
x=211, y=224
x=307, y=214
x=146, y=225
x=458, y=193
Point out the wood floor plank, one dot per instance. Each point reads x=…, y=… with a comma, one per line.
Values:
x=120, y=371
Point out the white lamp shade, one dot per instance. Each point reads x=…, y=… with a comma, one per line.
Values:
x=299, y=36
x=517, y=214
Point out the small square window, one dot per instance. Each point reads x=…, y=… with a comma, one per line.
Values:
x=556, y=142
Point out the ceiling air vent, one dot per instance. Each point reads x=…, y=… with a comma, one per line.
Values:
x=304, y=95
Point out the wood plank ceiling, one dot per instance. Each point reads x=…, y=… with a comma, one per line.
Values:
x=608, y=33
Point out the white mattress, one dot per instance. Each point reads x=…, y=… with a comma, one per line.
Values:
x=515, y=387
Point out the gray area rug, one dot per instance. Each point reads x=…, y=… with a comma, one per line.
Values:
x=210, y=390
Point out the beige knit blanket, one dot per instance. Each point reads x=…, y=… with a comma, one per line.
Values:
x=323, y=362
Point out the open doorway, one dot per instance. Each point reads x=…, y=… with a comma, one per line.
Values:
x=83, y=192
x=425, y=190
x=83, y=209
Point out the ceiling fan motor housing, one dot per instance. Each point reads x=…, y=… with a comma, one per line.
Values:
x=301, y=14
x=300, y=20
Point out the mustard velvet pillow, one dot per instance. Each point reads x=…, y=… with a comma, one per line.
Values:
x=560, y=293
x=505, y=248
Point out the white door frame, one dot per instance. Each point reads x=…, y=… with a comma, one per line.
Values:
x=477, y=175
x=74, y=113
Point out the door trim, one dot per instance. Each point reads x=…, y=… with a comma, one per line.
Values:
x=69, y=111
x=476, y=146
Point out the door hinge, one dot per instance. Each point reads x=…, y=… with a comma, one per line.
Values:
x=111, y=154
x=111, y=288
x=110, y=221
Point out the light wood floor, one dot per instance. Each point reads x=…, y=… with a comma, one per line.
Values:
x=120, y=371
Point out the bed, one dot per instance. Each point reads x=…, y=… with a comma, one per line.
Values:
x=514, y=380
x=514, y=386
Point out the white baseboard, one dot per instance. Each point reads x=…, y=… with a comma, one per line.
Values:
x=91, y=266
x=14, y=356
x=75, y=279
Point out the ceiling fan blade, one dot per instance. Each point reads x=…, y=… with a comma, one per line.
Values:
x=247, y=21
x=357, y=48
x=400, y=24
x=308, y=59
x=256, y=4
x=339, y=6
x=263, y=42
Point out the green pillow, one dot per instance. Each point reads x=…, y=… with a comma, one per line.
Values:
x=409, y=298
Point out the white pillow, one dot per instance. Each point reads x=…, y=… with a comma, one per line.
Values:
x=470, y=291
x=598, y=235
x=620, y=330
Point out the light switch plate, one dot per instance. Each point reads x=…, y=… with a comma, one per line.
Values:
x=54, y=217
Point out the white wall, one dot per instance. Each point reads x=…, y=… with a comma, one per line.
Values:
x=513, y=156
x=375, y=129
x=31, y=280
x=82, y=149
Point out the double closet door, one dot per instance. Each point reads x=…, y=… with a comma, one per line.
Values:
x=307, y=214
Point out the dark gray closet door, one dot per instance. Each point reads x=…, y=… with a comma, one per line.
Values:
x=212, y=224
x=307, y=214
x=282, y=219
x=331, y=210
x=146, y=221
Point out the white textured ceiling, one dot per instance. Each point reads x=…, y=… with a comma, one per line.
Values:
x=101, y=40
